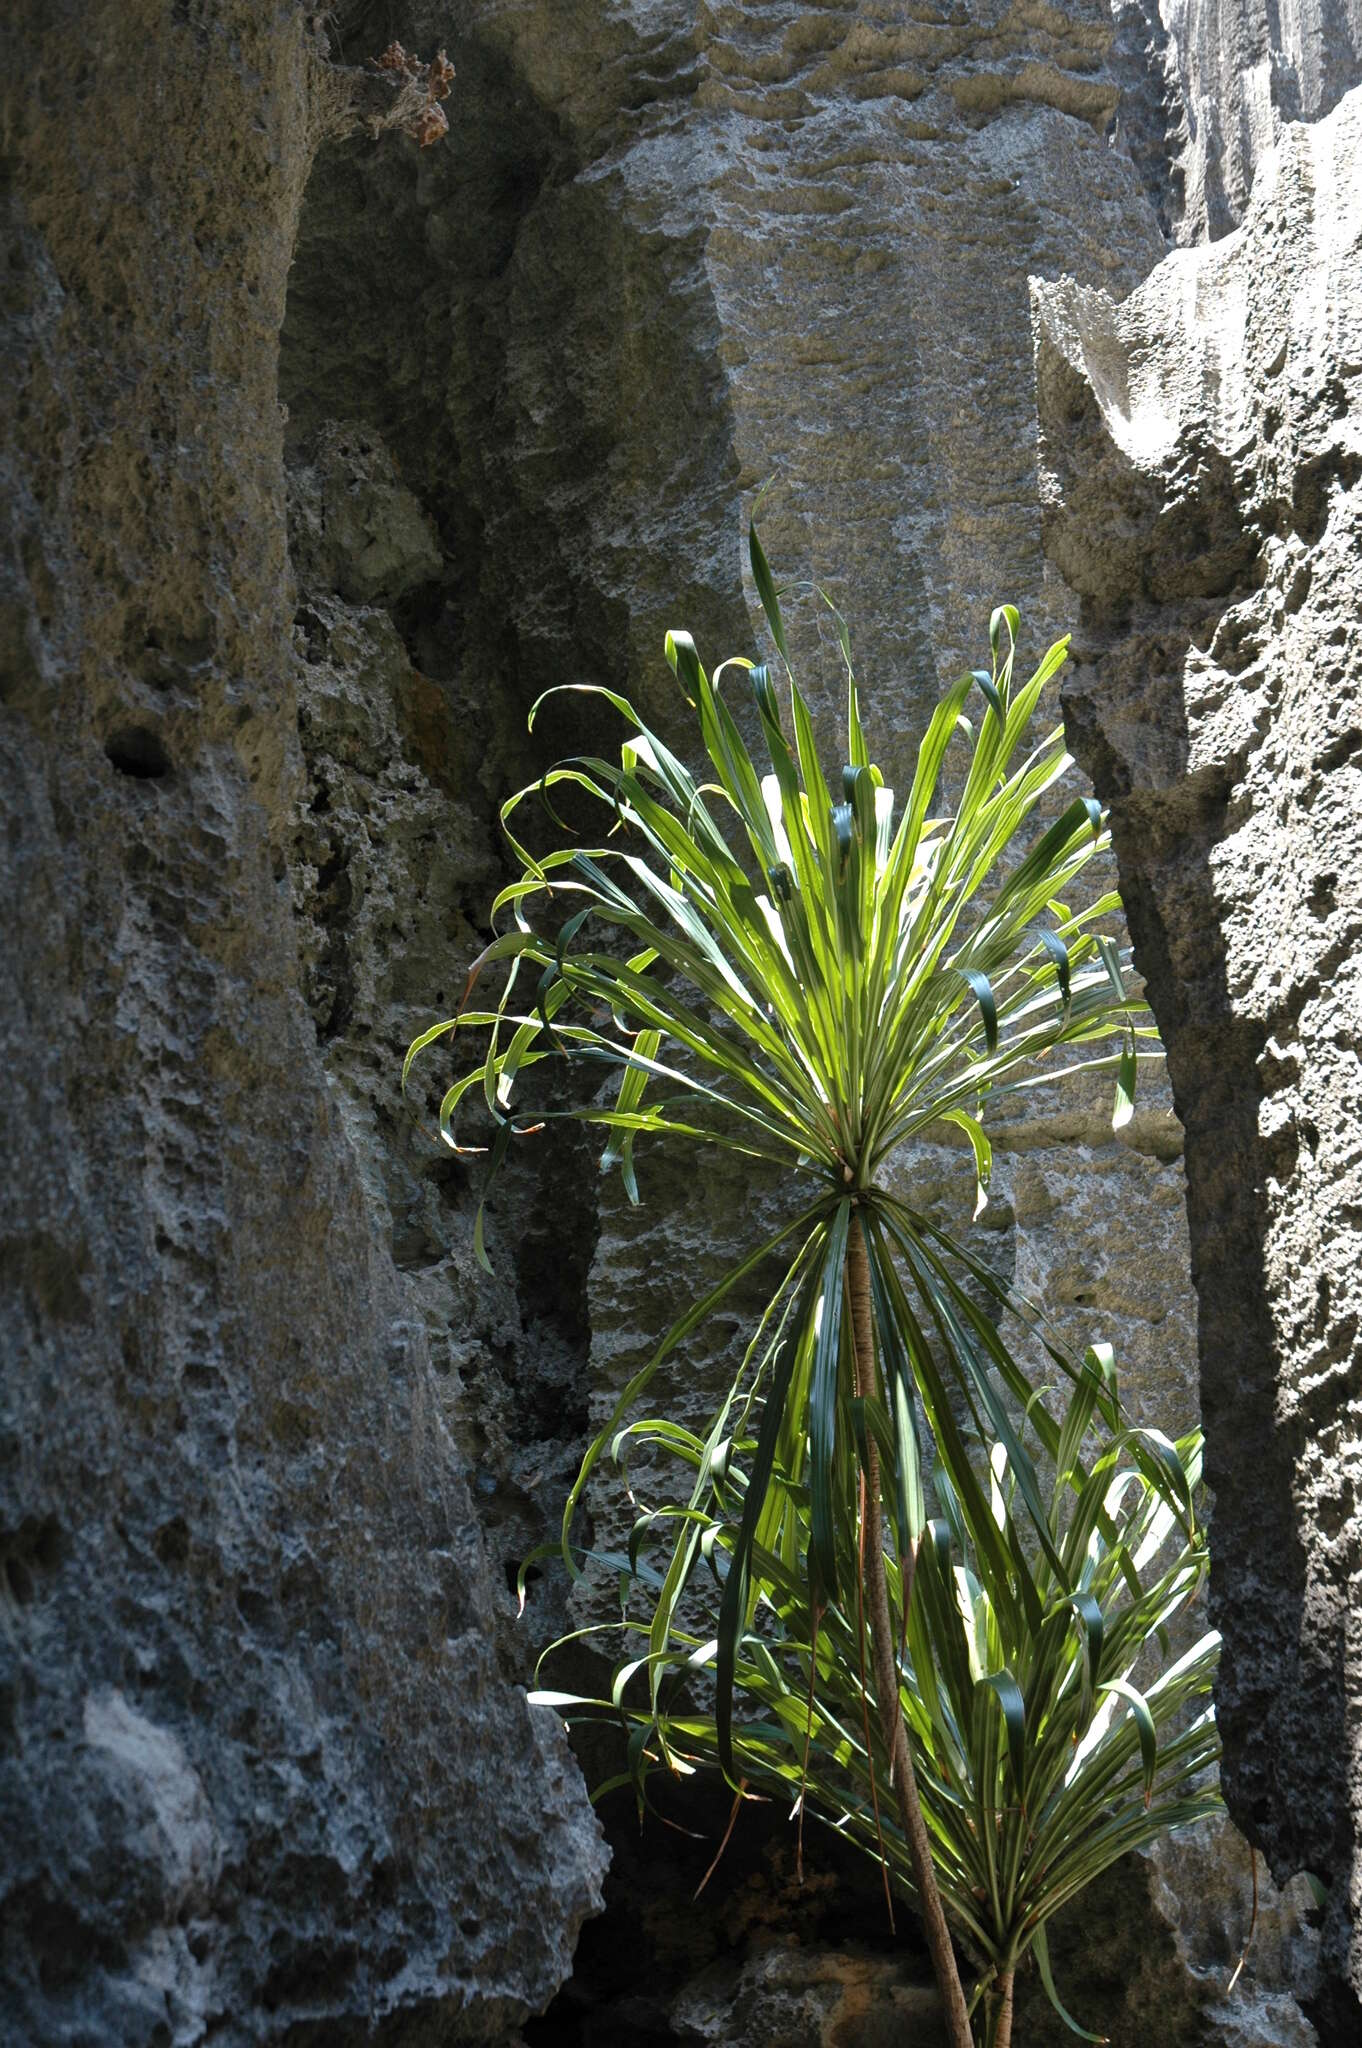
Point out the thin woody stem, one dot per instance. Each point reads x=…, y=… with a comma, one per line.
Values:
x=886, y=1676
x=1002, y=2027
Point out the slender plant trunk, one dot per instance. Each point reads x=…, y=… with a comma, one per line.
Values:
x=1002, y=2029
x=886, y=1677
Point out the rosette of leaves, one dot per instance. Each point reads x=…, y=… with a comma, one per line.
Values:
x=1051, y=1726
x=810, y=975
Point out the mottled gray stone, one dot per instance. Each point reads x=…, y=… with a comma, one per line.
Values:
x=394, y=861
x=809, y=1997
x=1202, y=460
x=353, y=526
x=670, y=248
x=261, y=1772
x=1280, y=1979
x=1209, y=85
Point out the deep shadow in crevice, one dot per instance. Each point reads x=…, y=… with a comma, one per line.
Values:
x=531, y=360
x=656, y=1935
x=516, y=342
x=138, y=751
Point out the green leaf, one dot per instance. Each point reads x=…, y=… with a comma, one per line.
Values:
x=1089, y=1614
x=1111, y=960
x=766, y=590
x=1042, y=1949
x=1059, y=954
x=1008, y=1694
x=1125, y=1086
x=1008, y=615
x=823, y=1401
x=989, y=687
x=983, y=991
x=734, y=1605
x=620, y=1151
x=904, y=1465
x=499, y=1147
x=1144, y=1723
x=983, y=1155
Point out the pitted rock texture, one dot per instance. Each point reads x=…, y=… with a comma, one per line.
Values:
x=755, y=1945
x=1214, y=1925
x=261, y=1774
x=354, y=527
x=825, y=1998
x=273, y=1446
x=1209, y=86
x=674, y=249
x=1202, y=451
x=394, y=861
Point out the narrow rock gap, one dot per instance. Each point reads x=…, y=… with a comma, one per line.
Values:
x=412, y=716
x=432, y=611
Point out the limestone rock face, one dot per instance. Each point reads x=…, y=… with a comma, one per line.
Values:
x=260, y=1770
x=1210, y=85
x=353, y=526
x=674, y=249
x=394, y=860
x=271, y=1446
x=809, y=1998
x=1202, y=464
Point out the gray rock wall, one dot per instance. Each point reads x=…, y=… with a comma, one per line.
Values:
x=270, y=1446
x=674, y=251
x=1202, y=457
x=1208, y=87
x=259, y=1768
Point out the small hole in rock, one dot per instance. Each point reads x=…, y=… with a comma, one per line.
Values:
x=19, y=1580
x=137, y=750
x=171, y=1541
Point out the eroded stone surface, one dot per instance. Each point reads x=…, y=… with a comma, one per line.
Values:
x=825, y=1998
x=672, y=250
x=1202, y=459
x=669, y=249
x=394, y=861
x=260, y=1768
x=354, y=527
x=1209, y=87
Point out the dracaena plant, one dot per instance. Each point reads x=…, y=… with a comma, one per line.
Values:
x=1051, y=1728
x=810, y=976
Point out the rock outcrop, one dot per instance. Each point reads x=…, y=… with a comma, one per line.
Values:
x=829, y=1998
x=260, y=1770
x=270, y=1446
x=1207, y=86
x=672, y=251
x=1202, y=476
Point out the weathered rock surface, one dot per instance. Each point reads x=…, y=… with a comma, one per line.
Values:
x=809, y=1998
x=260, y=1771
x=1210, y=84
x=671, y=250
x=394, y=861
x=274, y=1445
x=1202, y=449
x=354, y=528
